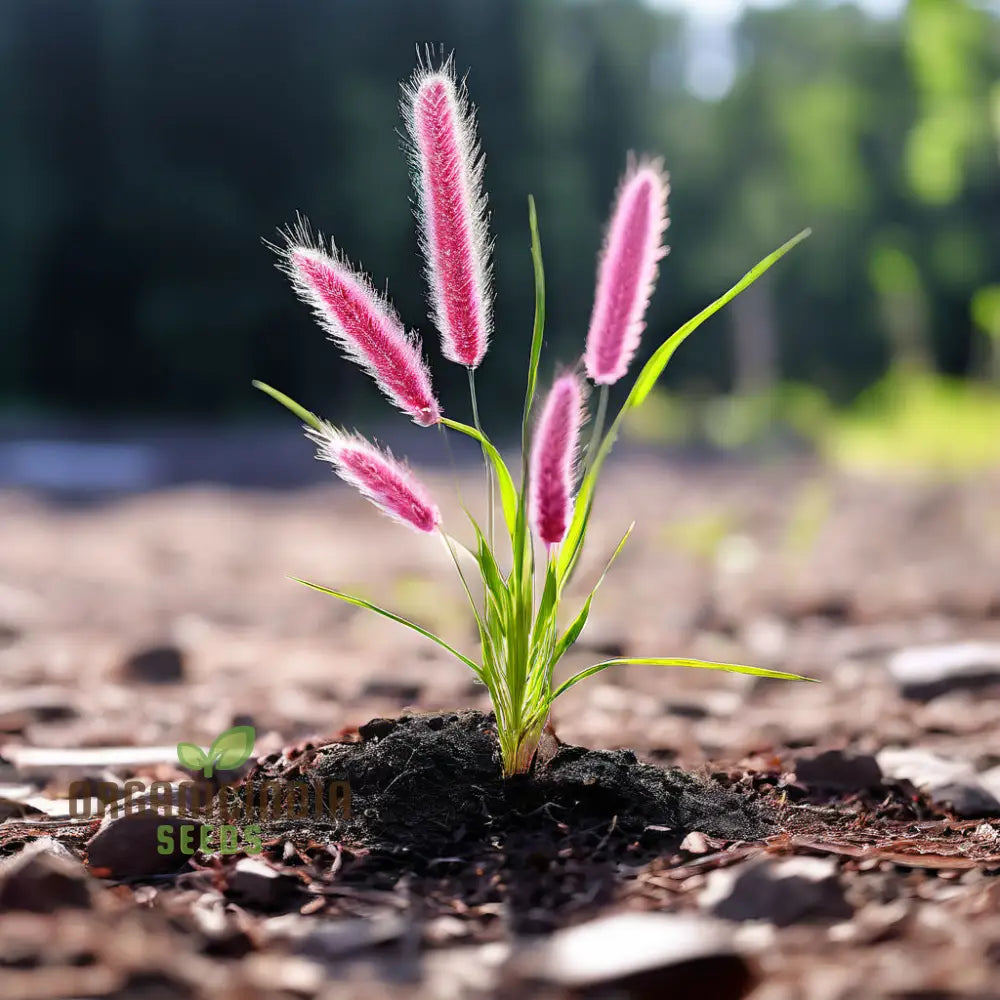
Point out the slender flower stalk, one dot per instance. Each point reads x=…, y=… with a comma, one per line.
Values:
x=626, y=275
x=490, y=486
x=595, y=438
x=381, y=478
x=451, y=210
x=553, y=460
x=363, y=324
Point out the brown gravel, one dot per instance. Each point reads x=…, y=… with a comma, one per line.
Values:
x=168, y=617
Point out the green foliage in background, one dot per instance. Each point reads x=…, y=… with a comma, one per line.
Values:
x=911, y=421
x=916, y=422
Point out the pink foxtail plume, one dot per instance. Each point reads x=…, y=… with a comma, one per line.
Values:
x=451, y=209
x=362, y=323
x=626, y=276
x=553, y=459
x=383, y=479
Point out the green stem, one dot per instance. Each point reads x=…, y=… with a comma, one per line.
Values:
x=452, y=464
x=486, y=459
x=595, y=438
x=486, y=674
x=461, y=576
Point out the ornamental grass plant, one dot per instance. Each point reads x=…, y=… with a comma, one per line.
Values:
x=544, y=512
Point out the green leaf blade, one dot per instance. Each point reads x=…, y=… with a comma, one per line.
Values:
x=508, y=493
x=658, y=661
x=538, y=328
x=490, y=573
x=653, y=368
x=572, y=544
x=644, y=384
x=548, y=604
x=360, y=602
x=573, y=632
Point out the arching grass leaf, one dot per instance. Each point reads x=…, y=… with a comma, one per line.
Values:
x=657, y=661
x=508, y=494
x=360, y=602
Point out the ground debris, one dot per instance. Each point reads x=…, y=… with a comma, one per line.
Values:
x=43, y=878
x=259, y=884
x=633, y=955
x=129, y=846
x=780, y=891
x=375, y=915
x=952, y=784
x=839, y=770
x=163, y=664
x=925, y=672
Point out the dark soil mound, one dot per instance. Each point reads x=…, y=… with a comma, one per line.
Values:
x=433, y=818
x=419, y=781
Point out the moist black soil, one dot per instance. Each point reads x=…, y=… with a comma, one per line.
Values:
x=422, y=780
x=431, y=810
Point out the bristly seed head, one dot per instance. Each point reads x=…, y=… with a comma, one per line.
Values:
x=383, y=479
x=627, y=271
x=553, y=459
x=361, y=322
x=451, y=210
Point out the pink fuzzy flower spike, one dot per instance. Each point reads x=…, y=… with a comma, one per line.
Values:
x=553, y=459
x=627, y=272
x=385, y=481
x=363, y=323
x=448, y=173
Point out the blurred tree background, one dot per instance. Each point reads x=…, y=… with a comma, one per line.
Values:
x=148, y=145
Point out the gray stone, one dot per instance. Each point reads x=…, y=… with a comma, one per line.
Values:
x=636, y=954
x=839, y=770
x=404, y=692
x=130, y=846
x=952, y=784
x=325, y=939
x=256, y=883
x=43, y=878
x=19, y=709
x=925, y=672
x=155, y=665
x=781, y=891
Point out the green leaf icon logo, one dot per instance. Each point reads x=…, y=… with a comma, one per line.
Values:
x=191, y=757
x=229, y=750
x=232, y=748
